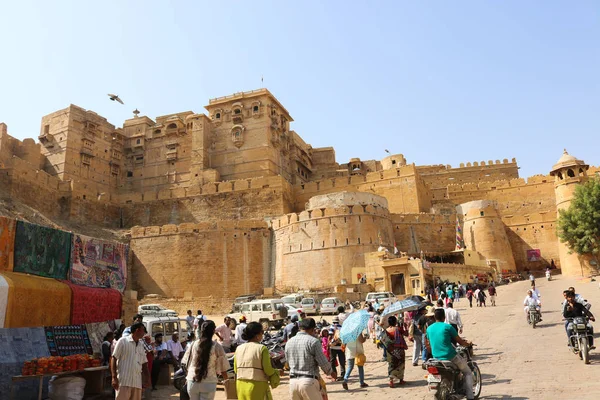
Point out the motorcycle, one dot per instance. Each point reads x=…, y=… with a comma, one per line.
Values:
x=534, y=316
x=230, y=370
x=580, y=337
x=445, y=380
x=277, y=353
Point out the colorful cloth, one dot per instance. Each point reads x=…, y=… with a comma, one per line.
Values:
x=7, y=243
x=98, y=263
x=42, y=251
x=35, y=301
x=67, y=340
x=96, y=332
x=93, y=304
x=17, y=346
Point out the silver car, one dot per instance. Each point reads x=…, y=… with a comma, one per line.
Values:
x=310, y=306
x=330, y=305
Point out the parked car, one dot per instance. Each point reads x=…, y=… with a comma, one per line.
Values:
x=156, y=310
x=269, y=312
x=383, y=298
x=310, y=306
x=237, y=303
x=164, y=325
x=293, y=299
x=330, y=305
x=293, y=310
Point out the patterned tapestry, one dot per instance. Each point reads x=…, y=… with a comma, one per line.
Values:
x=17, y=346
x=96, y=332
x=68, y=340
x=42, y=251
x=7, y=243
x=36, y=301
x=98, y=263
x=93, y=304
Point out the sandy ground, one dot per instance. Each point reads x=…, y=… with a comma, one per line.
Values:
x=516, y=361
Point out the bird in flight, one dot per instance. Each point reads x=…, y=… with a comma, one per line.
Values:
x=387, y=151
x=115, y=97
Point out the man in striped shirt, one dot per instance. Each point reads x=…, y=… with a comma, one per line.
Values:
x=128, y=364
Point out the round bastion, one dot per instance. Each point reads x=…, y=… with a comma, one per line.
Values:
x=346, y=199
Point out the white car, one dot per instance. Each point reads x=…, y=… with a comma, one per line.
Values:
x=382, y=298
x=293, y=310
x=165, y=325
x=269, y=312
x=156, y=310
x=310, y=306
x=330, y=305
x=293, y=299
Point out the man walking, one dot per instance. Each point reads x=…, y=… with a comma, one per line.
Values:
x=493, y=294
x=189, y=320
x=224, y=334
x=335, y=349
x=128, y=364
x=453, y=318
x=304, y=356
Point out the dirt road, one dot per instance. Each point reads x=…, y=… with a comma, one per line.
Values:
x=516, y=361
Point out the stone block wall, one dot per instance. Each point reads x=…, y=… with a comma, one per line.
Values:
x=223, y=259
x=430, y=233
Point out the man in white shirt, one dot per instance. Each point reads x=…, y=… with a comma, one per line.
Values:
x=128, y=364
x=175, y=349
x=239, y=331
x=224, y=334
x=530, y=300
x=199, y=320
x=190, y=321
x=342, y=314
x=453, y=318
x=536, y=294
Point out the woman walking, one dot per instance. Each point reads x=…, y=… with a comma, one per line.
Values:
x=252, y=365
x=482, y=298
x=470, y=297
x=206, y=360
x=394, y=341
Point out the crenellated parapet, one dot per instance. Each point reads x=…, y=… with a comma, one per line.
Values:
x=198, y=227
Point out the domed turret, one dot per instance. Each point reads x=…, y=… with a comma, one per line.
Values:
x=568, y=172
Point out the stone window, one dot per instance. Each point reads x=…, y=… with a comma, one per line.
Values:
x=237, y=111
x=157, y=132
x=138, y=141
x=46, y=129
x=172, y=126
x=481, y=213
x=393, y=161
x=218, y=116
x=560, y=176
x=571, y=173
x=255, y=109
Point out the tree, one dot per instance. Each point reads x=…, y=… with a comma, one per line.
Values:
x=579, y=225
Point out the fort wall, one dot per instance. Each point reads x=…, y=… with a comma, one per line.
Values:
x=225, y=259
x=319, y=248
x=430, y=233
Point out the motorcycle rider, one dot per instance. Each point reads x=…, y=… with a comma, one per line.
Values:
x=548, y=273
x=574, y=309
x=439, y=340
x=531, y=300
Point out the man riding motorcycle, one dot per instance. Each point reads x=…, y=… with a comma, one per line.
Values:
x=439, y=342
x=574, y=309
x=531, y=300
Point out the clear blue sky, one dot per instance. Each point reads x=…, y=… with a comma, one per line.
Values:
x=440, y=82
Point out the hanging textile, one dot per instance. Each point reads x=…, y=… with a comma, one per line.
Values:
x=42, y=251
x=36, y=301
x=98, y=263
x=67, y=340
x=7, y=243
x=96, y=331
x=93, y=304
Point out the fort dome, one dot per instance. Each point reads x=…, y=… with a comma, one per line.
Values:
x=567, y=160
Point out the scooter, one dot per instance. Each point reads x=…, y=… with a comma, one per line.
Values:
x=445, y=380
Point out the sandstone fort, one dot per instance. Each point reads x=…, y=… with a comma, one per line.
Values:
x=235, y=201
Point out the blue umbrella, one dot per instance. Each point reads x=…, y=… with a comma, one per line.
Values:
x=353, y=326
x=401, y=306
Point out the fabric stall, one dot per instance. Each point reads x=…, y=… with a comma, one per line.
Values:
x=7, y=243
x=67, y=340
x=93, y=304
x=98, y=263
x=35, y=301
x=18, y=345
x=96, y=332
x=42, y=251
